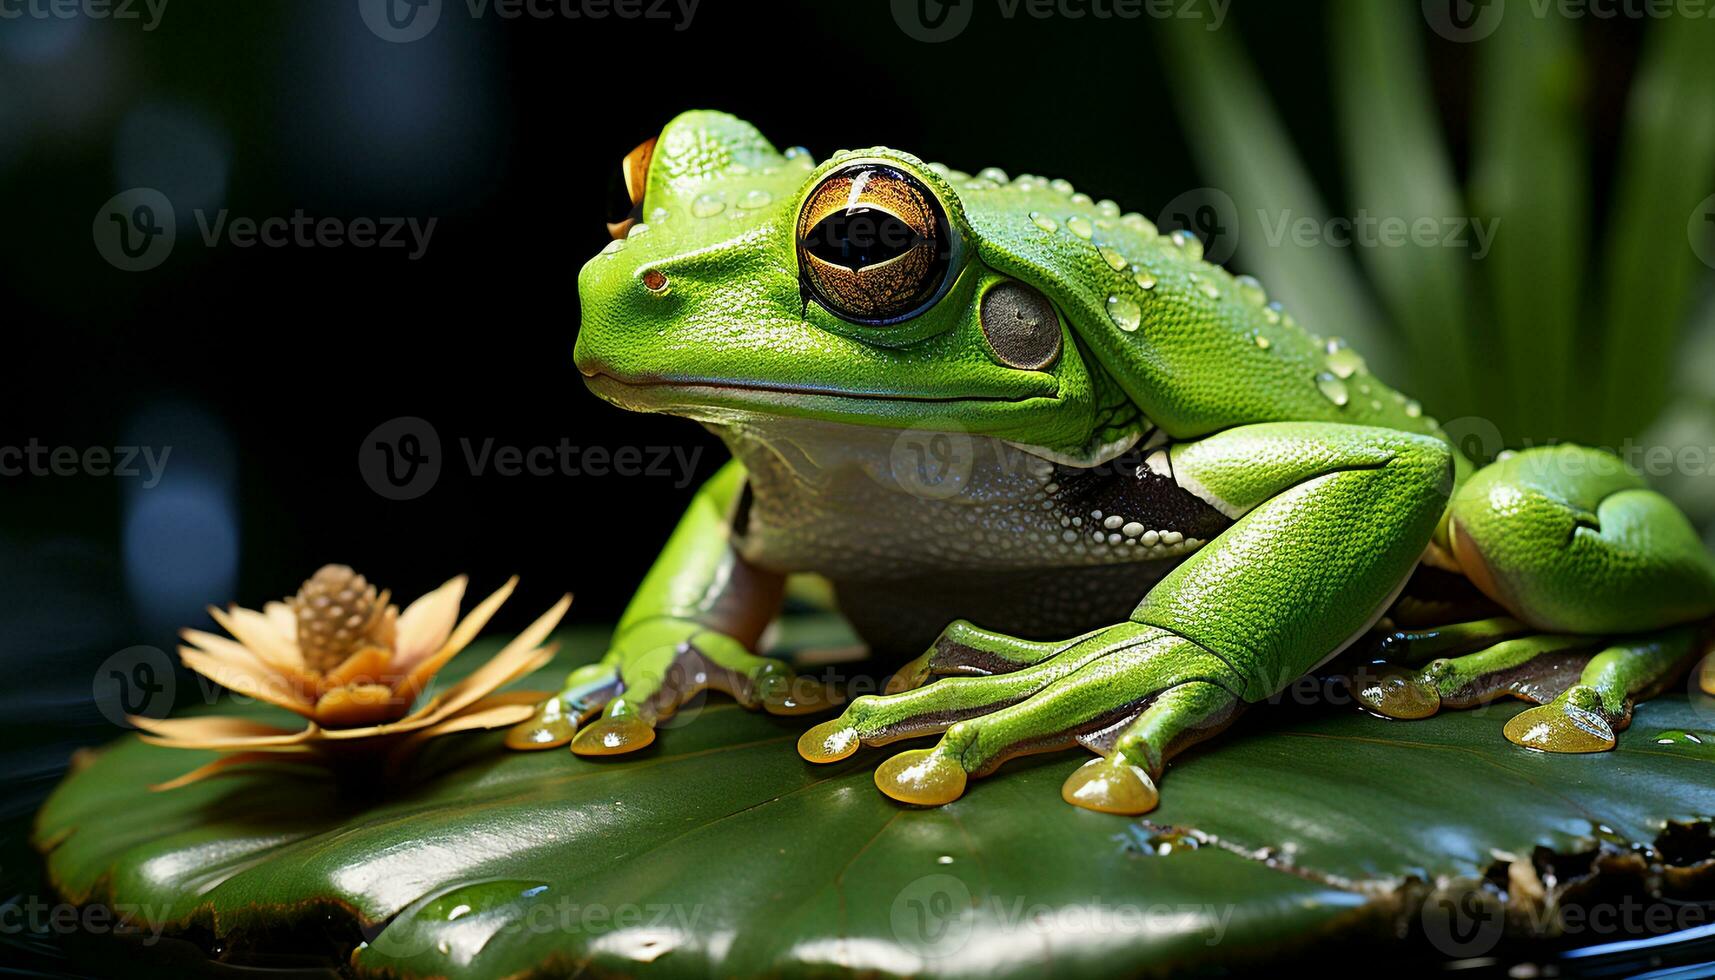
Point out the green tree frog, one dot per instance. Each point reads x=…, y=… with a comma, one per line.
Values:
x=1111, y=489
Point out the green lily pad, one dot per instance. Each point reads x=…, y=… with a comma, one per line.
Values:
x=719, y=852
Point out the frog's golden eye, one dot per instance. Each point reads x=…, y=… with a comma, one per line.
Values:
x=634, y=173
x=874, y=245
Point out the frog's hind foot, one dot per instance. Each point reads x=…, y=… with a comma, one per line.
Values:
x=966, y=650
x=1584, y=687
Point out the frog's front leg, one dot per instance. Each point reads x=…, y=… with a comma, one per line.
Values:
x=690, y=627
x=1330, y=519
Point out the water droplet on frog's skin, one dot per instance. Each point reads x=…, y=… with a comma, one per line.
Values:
x=1080, y=226
x=1187, y=242
x=1107, y=208
x=1210, y=290
x=756, y=199
x=994, y=174
x=1262, y=341
x=1333, y=389
x=1114, y=259
x=1251, y=290
x=1125, y=312
x=1343, y=360
x=1083, y=199
x=615, y=246
x=794, y=152
x=1144, y=281
x=1061, y=186
x=707, y=206
x=1138, y=222
x=1043, y=221
x=637, y=229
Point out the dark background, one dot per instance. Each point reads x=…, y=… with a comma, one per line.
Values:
x=265, y=368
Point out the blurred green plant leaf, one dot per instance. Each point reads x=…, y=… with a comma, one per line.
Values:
x=1244, y=149
x=1530, y=174
x=1648, y=272
x=1399, y=170
x=719, y=852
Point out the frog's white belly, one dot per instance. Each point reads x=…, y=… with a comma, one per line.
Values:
x=860, y=503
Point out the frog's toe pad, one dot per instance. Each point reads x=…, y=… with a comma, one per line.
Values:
x=1572, y=722
x=924, y=777
x=552, y=726
x=1404, y=695
x=830, y=741
x=1111, y=786
x=613, y=736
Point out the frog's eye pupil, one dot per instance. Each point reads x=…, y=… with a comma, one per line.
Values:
x=859, y=237
x=874, y=244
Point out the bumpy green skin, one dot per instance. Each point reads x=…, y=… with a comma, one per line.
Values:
x=1337, y=485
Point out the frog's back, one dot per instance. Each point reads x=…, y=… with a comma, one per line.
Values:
x=1195, y=347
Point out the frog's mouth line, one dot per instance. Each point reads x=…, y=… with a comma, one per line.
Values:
x=597, y=378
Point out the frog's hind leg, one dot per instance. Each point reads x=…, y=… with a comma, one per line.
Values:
x=1606, y=586
x=1585, y=716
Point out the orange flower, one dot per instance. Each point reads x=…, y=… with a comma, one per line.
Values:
x=354, y=666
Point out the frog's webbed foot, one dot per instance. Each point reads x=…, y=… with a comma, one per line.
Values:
x=1584, y=687
x=1134, y=693
x=655, y=668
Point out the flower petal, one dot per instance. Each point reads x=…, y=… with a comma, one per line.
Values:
x=513, y=661
x=220, y=765
x=218, y=732
x=259, y=636
x=250, y=679
x=284, y=621
x=370, y=665
x=229, y=650
x=359, y=704
x=426, y=623
x=420, y=673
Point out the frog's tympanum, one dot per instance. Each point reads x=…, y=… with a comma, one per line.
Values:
x=1112, y=490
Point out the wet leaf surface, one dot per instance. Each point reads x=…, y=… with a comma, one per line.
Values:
x=717, y=851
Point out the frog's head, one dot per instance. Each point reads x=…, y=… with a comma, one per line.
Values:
x=753, y=283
